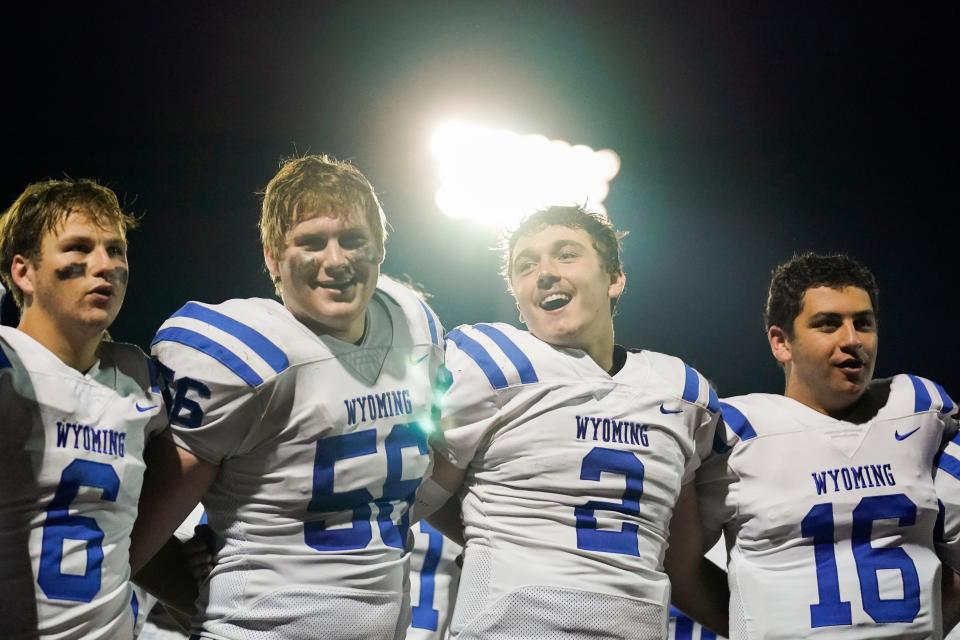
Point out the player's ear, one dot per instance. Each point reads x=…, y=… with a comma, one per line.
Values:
x=779, y=344
x=22, y=274
x=271, y=263
x=617, y=283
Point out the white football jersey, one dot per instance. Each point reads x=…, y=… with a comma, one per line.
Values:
x=72, y=471
x=434, y=576
x=321, y=446
x=571, y=479
x=830, y=524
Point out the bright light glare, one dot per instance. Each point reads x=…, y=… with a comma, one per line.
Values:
x=495, y=177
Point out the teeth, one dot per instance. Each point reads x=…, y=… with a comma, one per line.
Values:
x=554, y=301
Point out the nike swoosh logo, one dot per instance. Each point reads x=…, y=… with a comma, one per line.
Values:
x=154, y=406
x=669, y=411
x=897, y=435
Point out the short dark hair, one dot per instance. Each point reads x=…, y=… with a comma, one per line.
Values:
x=606, y=239
x=790, y=281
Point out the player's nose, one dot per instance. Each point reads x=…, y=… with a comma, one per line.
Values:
x=849, y=337
x=99, y=261
x=334, y=257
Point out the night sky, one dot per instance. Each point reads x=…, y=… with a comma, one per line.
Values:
x=747, y=131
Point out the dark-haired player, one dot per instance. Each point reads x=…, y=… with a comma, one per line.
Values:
x=826, y=493
x=572, y=452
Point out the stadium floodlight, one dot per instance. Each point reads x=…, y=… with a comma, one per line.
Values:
x=494, y=176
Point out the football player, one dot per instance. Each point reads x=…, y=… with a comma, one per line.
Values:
x=570, y=453
x=826, y=492
x=302, y=424
x=77, y=411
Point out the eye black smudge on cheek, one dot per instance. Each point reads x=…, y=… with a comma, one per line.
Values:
x=367, y=254
x=119, y=276
x=71, y=271
x=303, y=268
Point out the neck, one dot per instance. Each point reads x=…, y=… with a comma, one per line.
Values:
x=850, y=411
x=353, y=333
x=77, y=349
x=601, y=350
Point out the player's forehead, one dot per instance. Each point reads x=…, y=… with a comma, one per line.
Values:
x=844, y=300
x=83, y=222
x=548, y=239
x=331, y=220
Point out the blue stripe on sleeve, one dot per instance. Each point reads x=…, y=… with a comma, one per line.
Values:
x=4, y=360
x=430, y=323
x=691, y=385
x=949, y=464
x=479, y=355
x=205, y=345
x=947, y=402
x=524, y=367
x=922, y=401
x=714, y=402
x=203, y=517
x=738, y=422
x=261, y=345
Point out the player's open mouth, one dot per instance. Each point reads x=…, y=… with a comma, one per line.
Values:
x=851, y=367
x=555, y=301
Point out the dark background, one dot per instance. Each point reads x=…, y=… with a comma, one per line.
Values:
x=746, y=131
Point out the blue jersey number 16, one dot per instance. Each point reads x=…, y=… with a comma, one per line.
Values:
x=831, y=610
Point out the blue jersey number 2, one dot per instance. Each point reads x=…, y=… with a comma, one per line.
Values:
x=60, y=526
x=603, y=460
x=831, y=610
x=326, y=500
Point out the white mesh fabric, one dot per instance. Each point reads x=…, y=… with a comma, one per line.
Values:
x=474, y=587
x=549, y=613
x=318, y=615
x=738, y=625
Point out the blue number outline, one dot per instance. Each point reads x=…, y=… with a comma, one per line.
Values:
x=424, y=615
x=603, y=460
x=819, y=525
x=60, y=526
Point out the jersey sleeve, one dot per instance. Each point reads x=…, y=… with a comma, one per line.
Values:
x=947, y=485
x=470, y=405
x=214, y=405
x=715, y=478
x=702, y=416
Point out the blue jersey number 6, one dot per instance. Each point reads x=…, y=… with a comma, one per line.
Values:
x=60, y=526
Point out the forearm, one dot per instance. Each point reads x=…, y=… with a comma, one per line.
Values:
x=448, y=521
x=703, y=594
x=167, y=576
